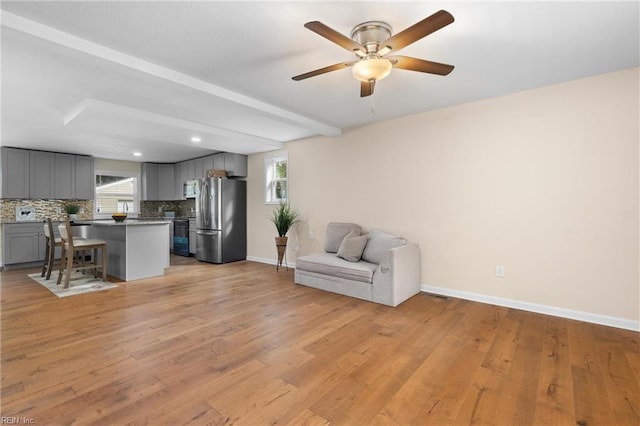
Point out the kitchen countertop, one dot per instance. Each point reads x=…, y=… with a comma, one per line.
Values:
x=174, y=218
x=128, y=222
x=131, y=221
x=39, y=221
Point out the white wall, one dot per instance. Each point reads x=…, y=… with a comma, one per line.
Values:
x=544, y=182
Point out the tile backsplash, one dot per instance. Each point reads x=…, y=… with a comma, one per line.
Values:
x=45, y=208
x=156, y=209
x=55, y=208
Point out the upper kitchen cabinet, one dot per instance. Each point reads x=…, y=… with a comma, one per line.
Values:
x=15, y=173
x=159, y=182
x=235, y=164
x=150, y=182
x=207, y=164
x=187, y=170
x=28, y=174
x=84, y=177
x=41, y=174
x=218, y=161
x=73, y=177
x=200, y=171
x=64, y=176
x=167, y=183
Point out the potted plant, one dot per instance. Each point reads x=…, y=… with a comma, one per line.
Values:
x=284, y=217
x=72, y=211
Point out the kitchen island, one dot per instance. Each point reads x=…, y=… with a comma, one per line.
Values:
x=136, y=249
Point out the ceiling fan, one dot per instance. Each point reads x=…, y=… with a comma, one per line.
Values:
x=371, y=41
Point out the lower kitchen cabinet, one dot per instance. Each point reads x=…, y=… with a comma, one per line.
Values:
x=22, y=243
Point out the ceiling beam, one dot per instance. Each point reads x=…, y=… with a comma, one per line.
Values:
x=88, y=105
x=70, y=41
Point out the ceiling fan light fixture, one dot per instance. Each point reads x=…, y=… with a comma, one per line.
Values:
x=371, y=69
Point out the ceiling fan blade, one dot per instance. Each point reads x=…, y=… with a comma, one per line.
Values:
x=366, y=88
x=420, y=65
x=324, y=70
x=334, y=36
x=423, y=28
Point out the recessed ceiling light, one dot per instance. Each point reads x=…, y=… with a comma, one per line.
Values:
x=137, y=154
x=196, y=139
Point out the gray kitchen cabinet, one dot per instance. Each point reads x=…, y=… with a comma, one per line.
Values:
x=207, y=164
x=235, y=164
x=158, y=182
x=73, y=177
x=41, y=174
x=199, y=168
x=64, y=181
x=84, y=177
x=23, y=242
x=218, y=161
x=150, y=182
x=29, y=174
x=167, y=183
x=15, y=173
x=186, y=171
x=192, y=236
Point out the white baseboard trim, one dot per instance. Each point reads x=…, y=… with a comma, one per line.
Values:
x=515, y=304
x=533, y=307
x=270, y=261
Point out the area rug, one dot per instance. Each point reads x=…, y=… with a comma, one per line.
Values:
x=79, y=284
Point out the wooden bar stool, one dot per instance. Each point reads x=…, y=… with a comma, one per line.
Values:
x=70, y=246
x=51, y=242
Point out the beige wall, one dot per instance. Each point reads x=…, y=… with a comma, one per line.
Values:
x=544, y=182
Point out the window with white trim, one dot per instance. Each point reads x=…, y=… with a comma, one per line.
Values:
x=276, y=179
x=116, y=192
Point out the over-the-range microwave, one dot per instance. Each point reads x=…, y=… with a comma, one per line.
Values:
x=190, y=189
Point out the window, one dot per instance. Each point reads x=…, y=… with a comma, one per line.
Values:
x=276, y=176
x=116, y=192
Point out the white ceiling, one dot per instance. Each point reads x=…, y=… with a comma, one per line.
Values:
x=111, y=78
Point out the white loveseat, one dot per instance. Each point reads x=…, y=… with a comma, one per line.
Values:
x=386, y=270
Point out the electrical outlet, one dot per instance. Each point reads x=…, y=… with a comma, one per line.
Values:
x=499, y=271
x=58, y=210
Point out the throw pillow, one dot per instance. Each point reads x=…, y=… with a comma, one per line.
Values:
x=378, y=243
x=336, y=231
x=352, y=247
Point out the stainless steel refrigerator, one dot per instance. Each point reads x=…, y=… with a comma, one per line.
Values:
x=221, y=220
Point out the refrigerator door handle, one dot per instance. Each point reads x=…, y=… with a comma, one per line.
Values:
x=204, y=204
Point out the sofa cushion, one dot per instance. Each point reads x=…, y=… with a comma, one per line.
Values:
x=352, y=247
x=378, y=243
x=332, y=265
x=336, y=231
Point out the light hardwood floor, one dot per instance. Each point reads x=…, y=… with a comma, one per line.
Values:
x=242, y=344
